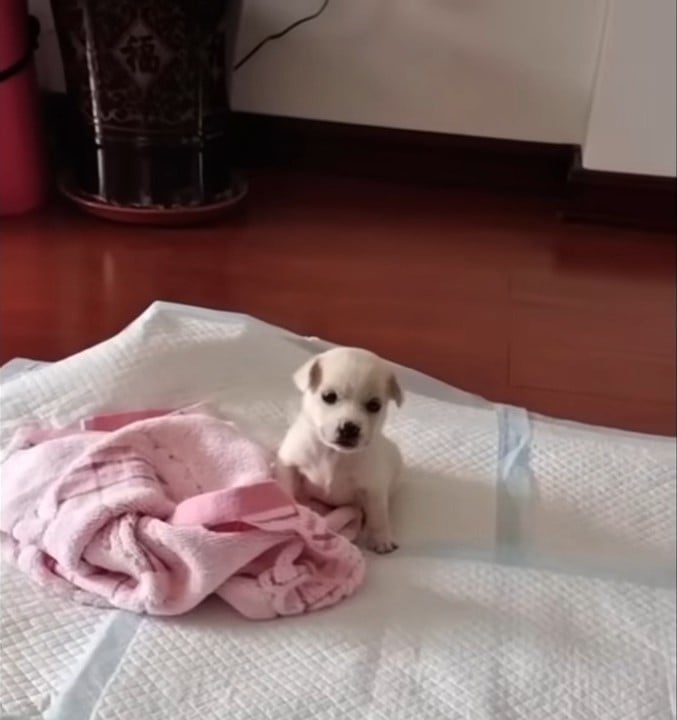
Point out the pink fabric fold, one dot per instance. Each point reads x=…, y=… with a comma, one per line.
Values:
x=152, y=514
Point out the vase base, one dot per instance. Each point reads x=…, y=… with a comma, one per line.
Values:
x=160, y=216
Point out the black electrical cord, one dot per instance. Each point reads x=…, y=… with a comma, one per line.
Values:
x=282, y=33
x=31, y=46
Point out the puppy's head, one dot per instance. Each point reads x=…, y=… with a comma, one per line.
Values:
x=345, y=395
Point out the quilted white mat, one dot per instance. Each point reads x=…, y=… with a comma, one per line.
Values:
x=535, y=577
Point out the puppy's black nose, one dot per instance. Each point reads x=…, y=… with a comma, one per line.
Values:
x=349, y=431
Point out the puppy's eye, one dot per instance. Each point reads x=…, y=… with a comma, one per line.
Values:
x=330, y=397
x=373, y=406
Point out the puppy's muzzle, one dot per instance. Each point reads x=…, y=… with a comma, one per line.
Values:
x=348, y=435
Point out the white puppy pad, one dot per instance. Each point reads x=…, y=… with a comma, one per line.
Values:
x=455, y=624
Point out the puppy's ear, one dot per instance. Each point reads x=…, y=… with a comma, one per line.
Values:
x=395, y=391
x=309, y=375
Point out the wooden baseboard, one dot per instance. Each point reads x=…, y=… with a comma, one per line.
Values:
x=431, y=158
x=641, y=201
x=400, y=155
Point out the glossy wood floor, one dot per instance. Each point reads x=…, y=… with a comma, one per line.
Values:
x=489, y=292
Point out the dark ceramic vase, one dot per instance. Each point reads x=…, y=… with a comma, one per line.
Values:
x=147, y=85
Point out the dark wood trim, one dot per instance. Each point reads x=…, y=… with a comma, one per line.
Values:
x=641, y=201
x=272, y=142
x=400, y=155
x=262, y=141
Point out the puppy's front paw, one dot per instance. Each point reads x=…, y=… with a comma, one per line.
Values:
x=381, y=545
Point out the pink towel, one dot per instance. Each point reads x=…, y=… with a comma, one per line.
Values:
x=155, y=515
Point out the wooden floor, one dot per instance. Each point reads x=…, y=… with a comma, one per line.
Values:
x=489, y=292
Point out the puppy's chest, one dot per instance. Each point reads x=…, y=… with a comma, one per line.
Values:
x=330, y=481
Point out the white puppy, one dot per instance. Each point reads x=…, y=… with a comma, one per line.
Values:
x=335, y=450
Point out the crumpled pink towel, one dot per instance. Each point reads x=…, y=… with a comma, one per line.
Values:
x=157, y=514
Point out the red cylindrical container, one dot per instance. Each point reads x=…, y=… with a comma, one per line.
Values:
x=23, y=181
